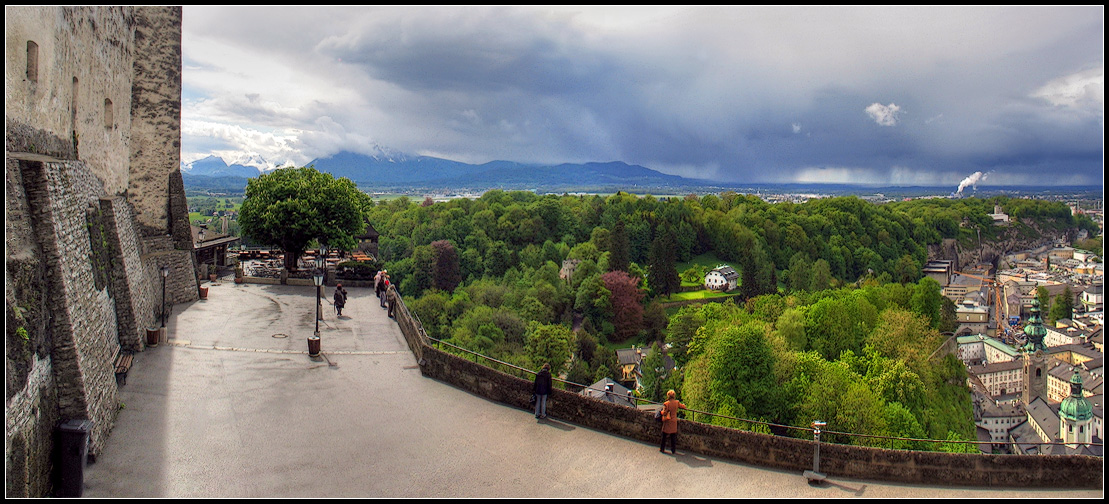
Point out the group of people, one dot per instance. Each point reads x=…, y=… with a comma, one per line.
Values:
x=669, y=411
x=381, y=285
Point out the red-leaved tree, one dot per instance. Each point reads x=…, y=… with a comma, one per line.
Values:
x=626, y=300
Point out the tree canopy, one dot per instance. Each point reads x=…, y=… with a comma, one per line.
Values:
x=291, y=207
x=833, y=321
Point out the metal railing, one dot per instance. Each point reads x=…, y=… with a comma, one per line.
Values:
x=803, y=432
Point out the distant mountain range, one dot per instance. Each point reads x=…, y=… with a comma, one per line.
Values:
x=214, y=166
x=390, y=171
x=385, y=170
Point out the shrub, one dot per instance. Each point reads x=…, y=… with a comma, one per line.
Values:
x=360, y=270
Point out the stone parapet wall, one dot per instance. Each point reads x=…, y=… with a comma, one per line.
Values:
x=765, y=450
x=413, y=333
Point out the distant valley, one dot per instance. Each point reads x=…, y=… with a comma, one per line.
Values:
x=387, y=171
x=399, y=172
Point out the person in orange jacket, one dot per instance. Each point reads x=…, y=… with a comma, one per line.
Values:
x=670, y=422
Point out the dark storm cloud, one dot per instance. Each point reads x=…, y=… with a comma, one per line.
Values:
x=886, y=94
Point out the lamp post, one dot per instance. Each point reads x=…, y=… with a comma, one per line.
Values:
x=165, y=273
x=318, y=277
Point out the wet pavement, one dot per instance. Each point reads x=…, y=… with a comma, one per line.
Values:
x=233, y=406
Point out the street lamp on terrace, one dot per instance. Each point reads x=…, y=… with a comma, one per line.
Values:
x=317, y=279
x=165, y=273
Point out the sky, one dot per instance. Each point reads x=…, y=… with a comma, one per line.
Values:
x=897, y=96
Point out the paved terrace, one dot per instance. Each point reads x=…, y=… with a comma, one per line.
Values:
x=234, y=407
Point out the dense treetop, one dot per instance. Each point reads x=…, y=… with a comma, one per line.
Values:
x=833, y=320
x=292, y=207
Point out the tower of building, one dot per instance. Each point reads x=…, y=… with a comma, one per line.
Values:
x=1076, y=415
x=1035, y=356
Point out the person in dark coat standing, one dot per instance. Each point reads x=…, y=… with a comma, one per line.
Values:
x=340, y=299
x=670, y=421
x=542, y=390
x=377, y=282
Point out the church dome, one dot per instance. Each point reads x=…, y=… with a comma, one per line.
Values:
x=1076, y=407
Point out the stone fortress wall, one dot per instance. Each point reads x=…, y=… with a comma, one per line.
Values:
x=94, y=207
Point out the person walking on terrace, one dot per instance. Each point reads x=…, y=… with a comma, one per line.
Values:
x=378, y=281
x=384, y=288
x=542, y=390
x=340, y=299
x=670, y=422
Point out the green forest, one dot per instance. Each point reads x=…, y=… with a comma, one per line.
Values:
x=832, y=319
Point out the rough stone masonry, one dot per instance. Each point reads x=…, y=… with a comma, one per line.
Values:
x=94, y=208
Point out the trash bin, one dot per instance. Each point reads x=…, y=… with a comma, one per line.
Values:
x=72, y=447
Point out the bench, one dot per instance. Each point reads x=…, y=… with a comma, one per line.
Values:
x=123, y=364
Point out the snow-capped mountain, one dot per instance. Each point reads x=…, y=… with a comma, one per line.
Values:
x=214, y=166
x=388, y=155
x=253, y=160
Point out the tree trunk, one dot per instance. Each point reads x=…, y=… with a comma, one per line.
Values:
x=291, y=260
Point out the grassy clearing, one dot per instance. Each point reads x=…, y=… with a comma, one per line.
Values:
x=708, y=260
x=701, y=294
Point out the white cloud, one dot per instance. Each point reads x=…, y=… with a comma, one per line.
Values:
x=796, y=128
x=1085, y=89
x=884, y=115
x=270, y=145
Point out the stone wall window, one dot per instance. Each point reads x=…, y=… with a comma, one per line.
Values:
x=109, y=117
x=32, y=61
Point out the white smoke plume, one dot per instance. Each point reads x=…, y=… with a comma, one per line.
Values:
x=972, y=181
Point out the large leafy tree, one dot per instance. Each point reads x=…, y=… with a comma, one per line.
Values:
x=619, y=248
x=549, y=344
x=446, y=269
x=662, y=274
x=291, y=207
x=927, y=300
x=1063, y=307
x=627, y=307
x=680, y=331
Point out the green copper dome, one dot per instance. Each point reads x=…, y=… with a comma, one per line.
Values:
x=1076, y=407
x=1034, y=332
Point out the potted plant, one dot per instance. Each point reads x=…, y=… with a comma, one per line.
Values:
x=203, y=292
x=212, y=272
x=238, y=273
